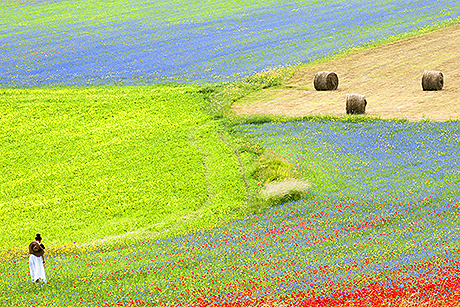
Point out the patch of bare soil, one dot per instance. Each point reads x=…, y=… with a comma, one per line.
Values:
x=390, y=76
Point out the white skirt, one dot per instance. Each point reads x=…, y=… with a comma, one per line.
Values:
x=37, y=269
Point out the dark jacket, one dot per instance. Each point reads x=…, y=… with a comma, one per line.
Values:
x=36, y=249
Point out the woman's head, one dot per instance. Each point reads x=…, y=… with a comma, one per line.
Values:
x=38, y=237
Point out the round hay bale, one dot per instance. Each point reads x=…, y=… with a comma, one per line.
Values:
x=432, y=80
x=326, y=81
x=356, y=104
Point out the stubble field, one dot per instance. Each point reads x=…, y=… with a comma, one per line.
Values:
x=389, y=76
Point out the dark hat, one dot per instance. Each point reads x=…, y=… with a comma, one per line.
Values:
x=36, y=249
x=38, y=237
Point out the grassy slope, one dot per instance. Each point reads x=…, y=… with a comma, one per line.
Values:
x=56, y=138
x=360, y=237
x=80, y=164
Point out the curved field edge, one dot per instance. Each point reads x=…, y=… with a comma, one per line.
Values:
x=230, y=93
x=98, y=164
x=387, y=72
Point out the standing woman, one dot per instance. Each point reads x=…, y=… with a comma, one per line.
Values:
x=36, y=260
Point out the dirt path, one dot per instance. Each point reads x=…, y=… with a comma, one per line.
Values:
x=389, y=76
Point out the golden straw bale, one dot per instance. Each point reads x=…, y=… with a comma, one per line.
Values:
x=432, y=80
x=356, y=104
x=326, y=81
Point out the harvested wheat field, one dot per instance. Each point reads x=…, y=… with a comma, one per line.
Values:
x=388, y=75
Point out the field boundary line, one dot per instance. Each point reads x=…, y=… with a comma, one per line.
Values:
x=242, y=170
x=192, y=139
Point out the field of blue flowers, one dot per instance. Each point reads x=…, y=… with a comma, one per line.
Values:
x=142, y=41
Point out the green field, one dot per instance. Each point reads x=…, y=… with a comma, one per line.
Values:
x=82, y=164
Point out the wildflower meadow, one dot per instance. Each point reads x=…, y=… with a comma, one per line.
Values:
x=379, y=226
x=119, y=147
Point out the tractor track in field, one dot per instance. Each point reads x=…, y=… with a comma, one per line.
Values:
x=242, y=170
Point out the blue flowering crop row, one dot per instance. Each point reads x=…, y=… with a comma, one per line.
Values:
x=92, y=42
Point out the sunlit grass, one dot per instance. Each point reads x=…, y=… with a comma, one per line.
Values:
x=80, y=164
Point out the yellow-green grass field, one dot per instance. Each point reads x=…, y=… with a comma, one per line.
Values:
x=84, y=164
